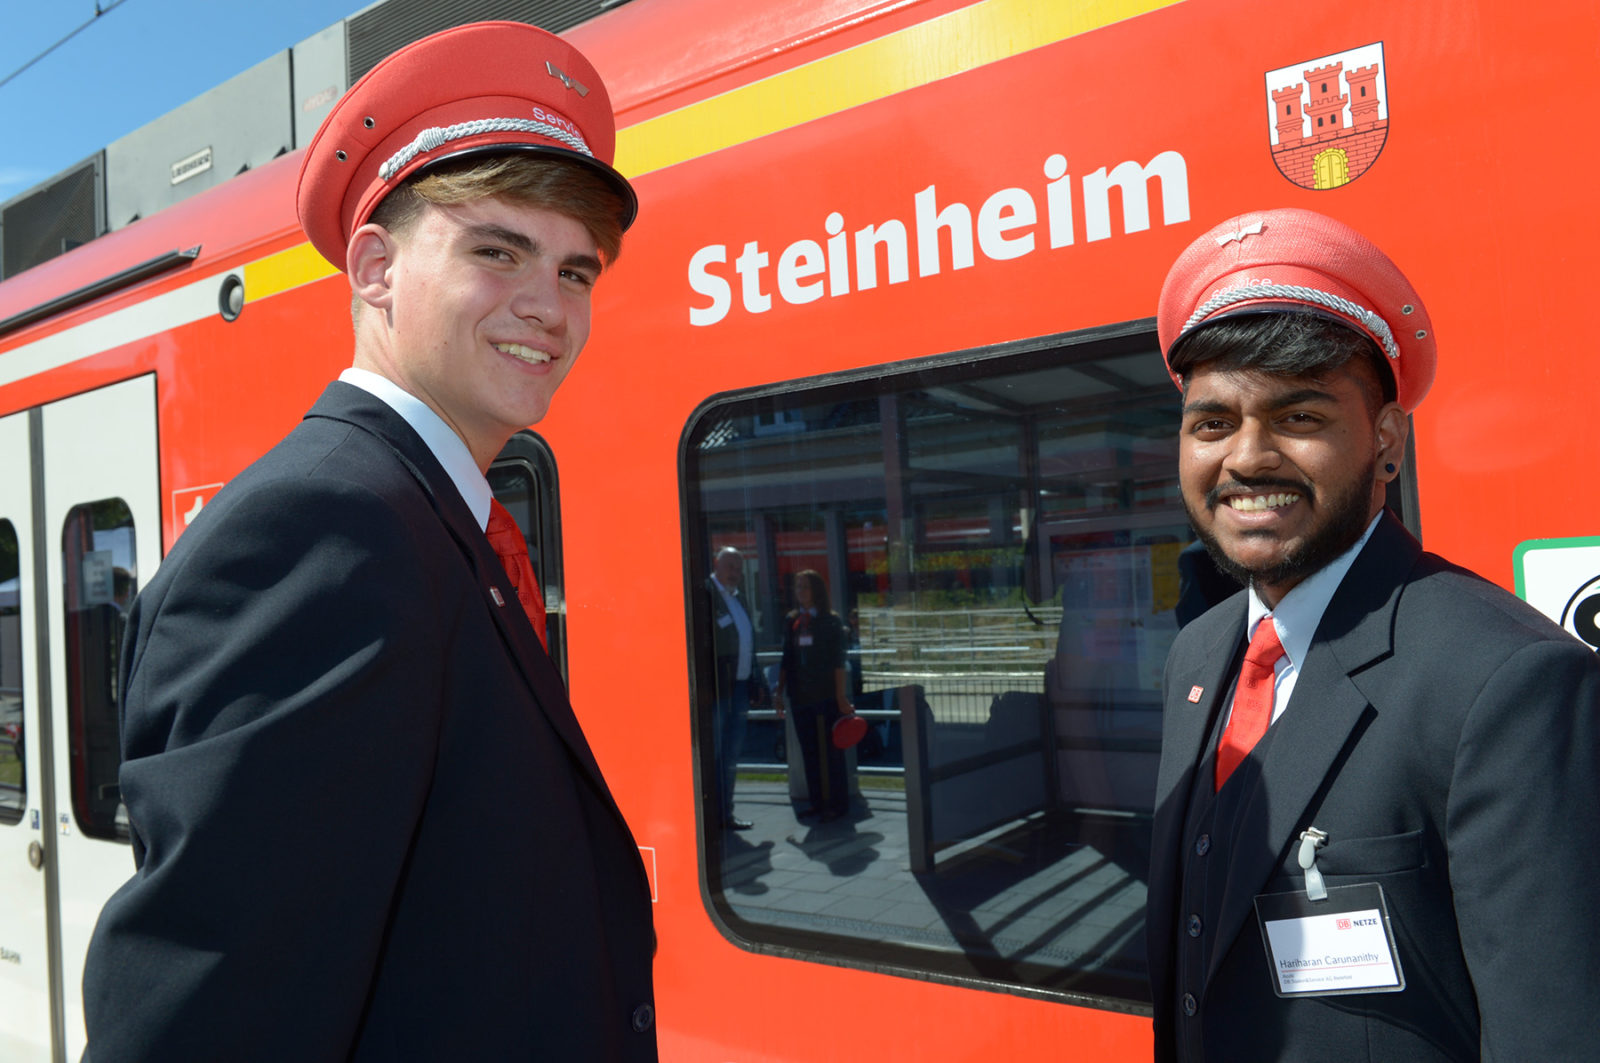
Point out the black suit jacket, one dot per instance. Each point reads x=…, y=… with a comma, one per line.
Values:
x=366, y=822
x=1447, y=737
x=725, y=641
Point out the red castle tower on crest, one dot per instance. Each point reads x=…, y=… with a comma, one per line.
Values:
x=1319, y=145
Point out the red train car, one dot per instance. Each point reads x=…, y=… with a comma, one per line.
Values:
x=886, y=315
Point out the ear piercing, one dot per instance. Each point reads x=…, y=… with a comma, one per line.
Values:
x=1388, y=467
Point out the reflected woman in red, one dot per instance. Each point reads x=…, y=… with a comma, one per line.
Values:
x=813, y=679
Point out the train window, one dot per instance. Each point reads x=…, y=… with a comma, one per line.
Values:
x=100, y=577
x=1001, y=541
x=523, y=478
x=13, y=770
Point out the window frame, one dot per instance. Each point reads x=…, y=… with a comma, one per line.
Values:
x=1019, y=356
x=82, y=773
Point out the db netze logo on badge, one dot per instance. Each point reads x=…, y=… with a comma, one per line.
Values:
x=1561, y=579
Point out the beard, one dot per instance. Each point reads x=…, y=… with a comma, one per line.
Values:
x=1347, y=519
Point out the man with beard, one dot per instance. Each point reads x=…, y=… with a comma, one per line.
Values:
x=1380, y=774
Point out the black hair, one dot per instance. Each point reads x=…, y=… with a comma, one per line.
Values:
x=819, y=590
x=1284, y=344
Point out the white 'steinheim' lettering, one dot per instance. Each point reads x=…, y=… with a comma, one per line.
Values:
x=1010, y=223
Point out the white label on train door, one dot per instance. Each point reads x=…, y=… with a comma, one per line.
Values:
x=1561, y=579
x=95, y=586
x=187, y=502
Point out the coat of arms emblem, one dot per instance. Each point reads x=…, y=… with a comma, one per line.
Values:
x=1329, y=117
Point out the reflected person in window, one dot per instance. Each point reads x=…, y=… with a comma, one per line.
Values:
x=366, y=822
x=816, y=685
x=740, y=683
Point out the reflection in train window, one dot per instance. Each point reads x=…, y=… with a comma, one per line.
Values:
x=13, y=769
x=1001, y=537
x=100, y=579
x=523, y=479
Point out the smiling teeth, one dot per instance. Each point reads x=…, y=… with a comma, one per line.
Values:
x=1248, y=503
x=526, y=354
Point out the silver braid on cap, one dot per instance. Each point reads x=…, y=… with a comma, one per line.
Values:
x=1241, y=293
x=437, y=136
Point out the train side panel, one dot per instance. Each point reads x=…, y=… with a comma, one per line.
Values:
x=832, y=194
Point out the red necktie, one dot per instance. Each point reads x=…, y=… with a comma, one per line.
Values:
x=1252, y=700
x=506, y=540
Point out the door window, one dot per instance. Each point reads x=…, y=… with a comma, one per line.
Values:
x=100, y=576
x=13, y=716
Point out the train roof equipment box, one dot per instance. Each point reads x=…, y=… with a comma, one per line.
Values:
x=240, y=124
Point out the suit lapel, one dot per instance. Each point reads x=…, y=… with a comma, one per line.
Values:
x=1327, y=707
x=353, y=406
x=1205, y=667
x=1310, y=737
x=1196, y=688
x=524, y=647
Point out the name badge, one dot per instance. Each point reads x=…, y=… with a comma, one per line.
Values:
x=1342, y=944
x=803, y=640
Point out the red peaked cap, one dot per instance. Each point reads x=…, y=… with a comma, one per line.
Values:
x=487, y=88
x=1296, y=260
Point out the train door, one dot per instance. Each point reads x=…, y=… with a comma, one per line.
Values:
x=101, y=535
x=24, y=945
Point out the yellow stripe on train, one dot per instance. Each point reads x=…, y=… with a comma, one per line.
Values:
x=917, y=55
x=299, y=265
x=951, y=44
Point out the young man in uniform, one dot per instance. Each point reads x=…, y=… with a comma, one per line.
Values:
x=1379, y=772
x=366, y=822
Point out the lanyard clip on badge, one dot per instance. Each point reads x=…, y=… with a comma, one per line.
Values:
x=1311, y=840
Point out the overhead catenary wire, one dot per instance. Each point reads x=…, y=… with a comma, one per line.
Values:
x=100, y=8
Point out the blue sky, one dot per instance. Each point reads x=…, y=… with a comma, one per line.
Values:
x=133, y=63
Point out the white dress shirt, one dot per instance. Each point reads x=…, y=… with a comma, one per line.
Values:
x=1297, y=617
x=741, y=620
x=440, y=438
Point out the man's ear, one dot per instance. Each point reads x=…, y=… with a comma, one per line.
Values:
x=368, y=262
x=1393, y=427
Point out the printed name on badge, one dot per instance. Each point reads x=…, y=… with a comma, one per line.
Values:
x=1341, y=945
